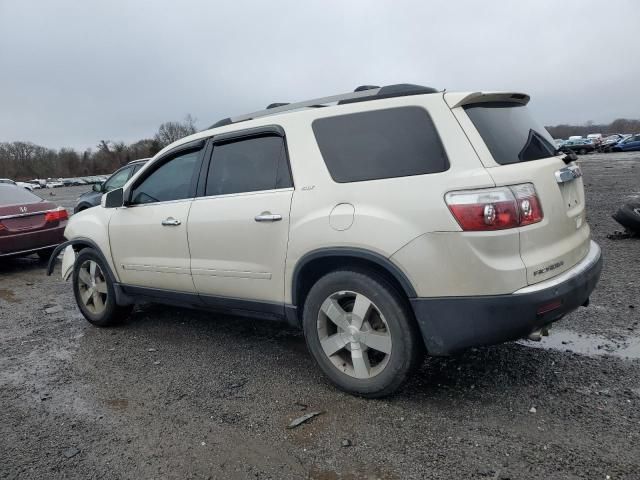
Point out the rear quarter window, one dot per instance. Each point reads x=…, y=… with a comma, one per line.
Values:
x=395, y=142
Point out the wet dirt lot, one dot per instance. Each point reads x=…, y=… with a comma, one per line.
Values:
x=181, y=394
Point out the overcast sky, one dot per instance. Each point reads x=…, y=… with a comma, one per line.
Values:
x=75, y=72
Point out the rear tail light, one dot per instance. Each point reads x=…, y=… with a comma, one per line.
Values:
x=56, y=215
x=495, y=208
x=528, y=204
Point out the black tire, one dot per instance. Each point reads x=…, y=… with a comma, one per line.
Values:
x=45, y=255
x=407, y=346
x=582, y=151
x=112, y=314
x=629, y=216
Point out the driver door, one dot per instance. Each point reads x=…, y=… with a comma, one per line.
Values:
x=149, y=234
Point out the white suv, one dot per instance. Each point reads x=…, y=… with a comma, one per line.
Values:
x=385, y=222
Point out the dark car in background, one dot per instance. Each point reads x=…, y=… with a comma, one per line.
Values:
x=629, y=144
x=29, y=224
x=579, y=146
x=116, y=180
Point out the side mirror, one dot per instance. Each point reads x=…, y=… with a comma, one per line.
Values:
x=113, y=199
x=97, y=187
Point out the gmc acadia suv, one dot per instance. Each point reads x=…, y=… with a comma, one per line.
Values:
x=385, y=223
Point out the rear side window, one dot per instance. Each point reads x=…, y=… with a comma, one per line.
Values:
x=14, y=195
x=396, y=142
x=510, y=132
x=248, y=165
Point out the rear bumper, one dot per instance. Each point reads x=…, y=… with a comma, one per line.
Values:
x=449, y=324
x=31, y=242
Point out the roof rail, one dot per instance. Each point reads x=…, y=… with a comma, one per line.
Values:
x=361, y=94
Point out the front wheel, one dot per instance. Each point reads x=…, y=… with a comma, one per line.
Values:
x=361, y=333
x=94, y=291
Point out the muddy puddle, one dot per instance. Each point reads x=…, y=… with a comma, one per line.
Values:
x=585, y=344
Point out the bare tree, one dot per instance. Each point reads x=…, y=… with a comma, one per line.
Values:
x=169, y=132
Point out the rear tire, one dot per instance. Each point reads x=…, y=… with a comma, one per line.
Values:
x=361, y=333
x=94, y=291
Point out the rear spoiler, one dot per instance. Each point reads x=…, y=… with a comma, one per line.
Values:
x=458, y=99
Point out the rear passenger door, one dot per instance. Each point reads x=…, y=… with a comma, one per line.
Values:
x=238, y=227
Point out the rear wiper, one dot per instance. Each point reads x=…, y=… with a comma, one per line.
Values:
x=570, y=155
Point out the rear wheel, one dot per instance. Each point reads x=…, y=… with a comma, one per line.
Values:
x=361, y=333
x=94, y=291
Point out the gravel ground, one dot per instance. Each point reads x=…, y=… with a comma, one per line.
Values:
x=181, y=394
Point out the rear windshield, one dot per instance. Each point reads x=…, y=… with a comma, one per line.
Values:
x=13, y=195
x=510, y=132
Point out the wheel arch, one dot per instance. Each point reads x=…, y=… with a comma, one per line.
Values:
x=79, y=244
x=317, y=263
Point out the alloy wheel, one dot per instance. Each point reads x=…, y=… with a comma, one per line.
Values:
x=92, y=287
x=354, y=334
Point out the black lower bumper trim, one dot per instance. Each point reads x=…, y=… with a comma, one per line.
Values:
x=450, y=324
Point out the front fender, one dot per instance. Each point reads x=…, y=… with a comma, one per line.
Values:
x=70, y=257
x=68, y=260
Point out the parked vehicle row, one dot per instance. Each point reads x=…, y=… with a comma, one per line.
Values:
x=595, y=142
x=480, y=237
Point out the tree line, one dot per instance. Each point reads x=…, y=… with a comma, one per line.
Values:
x=620, y=125
x=26, y=160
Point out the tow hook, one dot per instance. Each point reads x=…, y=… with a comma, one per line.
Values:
x=537, y=335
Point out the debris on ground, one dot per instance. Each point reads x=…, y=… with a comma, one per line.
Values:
x=533, y=410
x=628, y=215
x=54, y=309
x=303, y=406
x=305, y=418
x=151, y=350
x=71, y=452
x=346, y=442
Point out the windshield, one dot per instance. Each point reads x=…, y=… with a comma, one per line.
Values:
x=117, y=180
x=510, y=132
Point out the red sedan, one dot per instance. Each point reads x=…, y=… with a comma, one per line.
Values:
x=29, y=224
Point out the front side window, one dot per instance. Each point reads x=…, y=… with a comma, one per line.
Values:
x=117, y=180
x=510, y=132
x=395, y=142
x=171, y=181
x=248, y=165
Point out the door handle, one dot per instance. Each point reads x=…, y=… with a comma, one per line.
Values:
x=268, y=217
x=171, y=222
